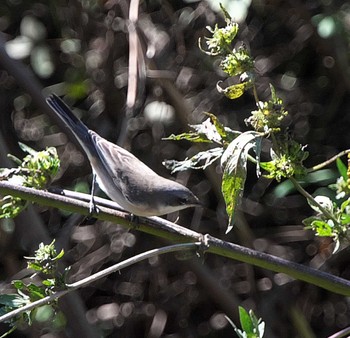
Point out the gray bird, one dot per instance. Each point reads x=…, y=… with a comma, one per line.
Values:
x=123, y=177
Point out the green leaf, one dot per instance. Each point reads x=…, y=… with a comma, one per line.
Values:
x=18, y=284
x=36, y=292
x=50, y=282
x=59, y=255
x=35, y=266
x=234, y=163
x=208, y=157
x=322, y=228
x=234, y=91
x=343, y=170
x=237, y=63
x=344, y=205
x=192, y=137
x=246, y=322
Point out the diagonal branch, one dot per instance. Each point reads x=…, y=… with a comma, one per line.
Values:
x=176, y=233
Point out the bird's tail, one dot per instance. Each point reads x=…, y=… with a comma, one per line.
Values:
x=78, y=128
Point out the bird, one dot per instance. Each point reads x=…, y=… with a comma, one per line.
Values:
x=122, y=176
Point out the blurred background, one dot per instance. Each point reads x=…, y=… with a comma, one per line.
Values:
x=80, y=50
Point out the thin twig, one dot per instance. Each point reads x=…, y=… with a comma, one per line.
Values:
x=329, y=161
x=341, y=334
x=312, y=200
x=93, y=278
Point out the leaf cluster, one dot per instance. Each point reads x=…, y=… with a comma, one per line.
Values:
x=235, y=62
x=252, y=327
x=332, y=219
x=44, y=263
x=287, y=156
x=36, y=170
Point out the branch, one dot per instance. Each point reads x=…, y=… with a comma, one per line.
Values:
x=99, y=275
x=176, y=233
x=329, y=161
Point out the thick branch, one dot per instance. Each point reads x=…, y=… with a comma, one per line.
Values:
x=173, y=232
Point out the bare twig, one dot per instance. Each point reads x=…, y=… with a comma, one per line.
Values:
x=93, y=278
x=329, y=161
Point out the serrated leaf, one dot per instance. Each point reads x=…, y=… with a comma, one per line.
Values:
x=192, y=137
x=342, y=169
x=208, y=157
x=234, y=162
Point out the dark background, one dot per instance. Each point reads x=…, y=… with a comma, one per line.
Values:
x=81, y=48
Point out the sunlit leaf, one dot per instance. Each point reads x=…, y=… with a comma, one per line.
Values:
x=246, y=322
x=192, y=137
x=234, y=91
x=234, y=163
x=321, y=227
x=208, y=157
x=208, y=130
x=225, y=132
x=342, y=168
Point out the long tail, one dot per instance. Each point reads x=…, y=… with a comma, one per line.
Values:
x=78, y=128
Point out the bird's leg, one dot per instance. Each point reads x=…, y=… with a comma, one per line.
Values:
x=93, y=209
x=204, y=246
x=134, y=221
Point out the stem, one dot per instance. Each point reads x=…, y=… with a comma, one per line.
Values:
x=343, y=333
x=326, y=163
x=312, y=200
x=255, y=93
x=99, y=275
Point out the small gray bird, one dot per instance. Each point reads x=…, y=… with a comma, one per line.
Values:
x=123, y=177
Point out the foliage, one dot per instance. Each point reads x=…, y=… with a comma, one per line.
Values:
x=45, y=264
x=234, y=62
x=252, y=327
x=86, y=46
x=334, y=219
x=36, y=170
x=287, y=155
